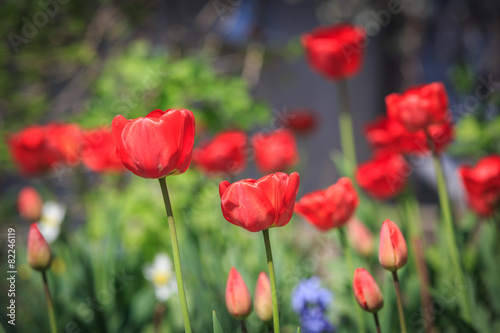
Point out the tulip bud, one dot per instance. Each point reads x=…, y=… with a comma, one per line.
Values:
x=360, y=237
x=29, y=204
x=366, y=291
x=392, y=253
x=39, y=256
x=262, y=301
x=238, y=298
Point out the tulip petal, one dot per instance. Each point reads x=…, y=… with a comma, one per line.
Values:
x=245, y=205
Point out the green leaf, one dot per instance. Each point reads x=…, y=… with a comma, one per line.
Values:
x=217, y=327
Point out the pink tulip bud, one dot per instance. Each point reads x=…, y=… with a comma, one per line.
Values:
x=262, y=301
x=238, y=298
x=366, y=291
x=360, y=237
x=392, y=252
x=29, y=204
x=39, y=255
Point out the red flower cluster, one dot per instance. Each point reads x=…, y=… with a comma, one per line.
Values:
x=335, y=52
x=330, y=208
x=482, y=184
x=36, y=149
x=225, y=153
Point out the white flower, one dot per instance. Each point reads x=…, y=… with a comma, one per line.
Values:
x=50, y=223
x=160, y=273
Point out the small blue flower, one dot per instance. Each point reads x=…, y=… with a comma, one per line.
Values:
x=310, y=301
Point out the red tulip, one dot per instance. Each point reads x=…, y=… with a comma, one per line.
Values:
x=157, y=145
x=335, y=52
x=39, y=255
x=263, y=299
x=392, y=252
x=238, y=298
x=360, y=237
x=419, y=107
x=66, y=140
x=482, y=185
x=301, y=121
x=441, y=135
x=256, y=205
x=31, y=151
x=384, y=176
x=366, y=291
x=275, y=151
x=224, y=153
x=330, y=208
x=29, y=204
x=99, y=153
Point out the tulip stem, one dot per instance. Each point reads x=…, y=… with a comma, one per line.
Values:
x=450, y=236
x=50, y=307
x=274, y=294
x=345, y=124
x=400, y=303
x=176, y=254
x=243, y=326
x=350, y=267
x=377, y=324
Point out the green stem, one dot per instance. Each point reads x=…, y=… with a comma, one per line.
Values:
x=345, y=123
x=350, y=267
x=50, y=308
x=176, y=254
x=274, y=294
x=400, y=303
x=414, y=222
x=243, y=326
x=450, y=236
x=377, y=324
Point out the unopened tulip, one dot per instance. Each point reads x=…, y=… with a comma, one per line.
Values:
x=39, y=255
x=360, y=237
x=262, y=301
x=29, y=204
x=157, y=145
x=256, y=205
x=366, y=291
x=238, y=298
x=392, y=252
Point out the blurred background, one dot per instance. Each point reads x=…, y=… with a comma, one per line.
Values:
x=235, y=64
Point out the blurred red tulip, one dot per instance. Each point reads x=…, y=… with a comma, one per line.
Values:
x=482, y=185
x=29, y=204
x=366, y=291
x=263, y=299
x=384, y=176
x=441, y=135
x=419, y=106
x=225, y=153
x=157, y=145
x=360, y=237
x=330, y=208
x=38, y=250
x=336, y=51
x=392, y=252
x=301, y=121
x=31, y=151
x=66, y=140
x=99, y=151
x=275, y=151
x=238, y=298
x=256, y=205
